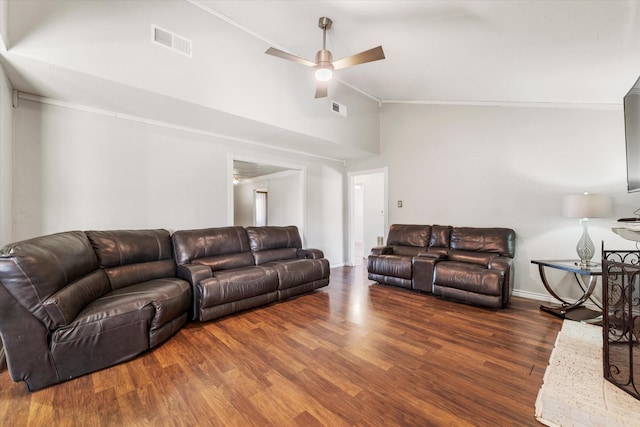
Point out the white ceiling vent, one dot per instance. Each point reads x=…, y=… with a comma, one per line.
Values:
x=339, y=108
x=171, y=40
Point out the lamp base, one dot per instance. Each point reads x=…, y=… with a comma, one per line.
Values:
x=587, y=264
x=585, y=247
x=578, y=314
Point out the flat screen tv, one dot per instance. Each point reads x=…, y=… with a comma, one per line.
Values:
x=632, y=136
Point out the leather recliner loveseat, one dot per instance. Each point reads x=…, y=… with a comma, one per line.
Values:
x=472, y=265
x=236, y=268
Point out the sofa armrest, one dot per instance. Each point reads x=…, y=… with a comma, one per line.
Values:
x=310, y=253
x=423, y=266
x=504, y=264
x=194, y=273
x=26, y=345
x=382, y=250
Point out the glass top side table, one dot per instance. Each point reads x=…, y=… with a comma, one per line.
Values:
x=566, y=309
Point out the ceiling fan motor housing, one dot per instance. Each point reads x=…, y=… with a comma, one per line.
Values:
x=325, y=23
x=324, y=58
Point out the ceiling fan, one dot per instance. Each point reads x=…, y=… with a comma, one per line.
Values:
x=325, y=65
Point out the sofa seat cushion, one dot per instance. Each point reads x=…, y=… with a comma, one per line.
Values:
x=154, y=303
x=101, y=318
x=235, y=284
x=120, y=325
x=469, y=277
x=227, y=261
x=408, y=251
x=390, y=266
x=271, y=255
x=295, y=272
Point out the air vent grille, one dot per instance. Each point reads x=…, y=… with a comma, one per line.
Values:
x=162, y=37
x=172, y=41
x=339, y=108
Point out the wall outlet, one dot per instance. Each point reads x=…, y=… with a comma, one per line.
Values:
x=399, y=203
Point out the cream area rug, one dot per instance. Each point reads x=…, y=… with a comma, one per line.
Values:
x=574, y=391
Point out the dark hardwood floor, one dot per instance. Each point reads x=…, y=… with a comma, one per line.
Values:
x=353, y=353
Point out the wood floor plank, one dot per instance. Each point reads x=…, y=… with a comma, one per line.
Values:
x=352, y=354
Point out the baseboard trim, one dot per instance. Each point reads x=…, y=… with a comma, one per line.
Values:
x=532, y=295
x=548, y=298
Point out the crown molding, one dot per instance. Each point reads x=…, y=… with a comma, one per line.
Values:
x=513, y=104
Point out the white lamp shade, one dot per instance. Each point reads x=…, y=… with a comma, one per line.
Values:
x=324, y=74
x=586, y=206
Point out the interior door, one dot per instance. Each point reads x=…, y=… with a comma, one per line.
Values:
x=367, y=213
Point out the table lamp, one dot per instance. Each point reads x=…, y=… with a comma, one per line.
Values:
x=586, y=206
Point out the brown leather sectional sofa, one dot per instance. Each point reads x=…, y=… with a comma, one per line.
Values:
x=471, y=265
x=76, y=302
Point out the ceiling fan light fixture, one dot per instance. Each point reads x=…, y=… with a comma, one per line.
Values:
x=324, y=64
x=324, y=72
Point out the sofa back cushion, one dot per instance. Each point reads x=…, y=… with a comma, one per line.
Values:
x=271, y=243
x=440, y=236
x=220, y=248
x=408, y=239
x=133, y=256
x=52, y=276
x=409, y=235
x=495, y=240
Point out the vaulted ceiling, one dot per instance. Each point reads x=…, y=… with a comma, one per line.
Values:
x=99, y=54
x=464, y=51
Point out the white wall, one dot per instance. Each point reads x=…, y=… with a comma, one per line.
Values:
x=105, y=47
x=325, y=209
x=243, y=201
x=505, y=167
x=285, y=199
x=6, y=159
x=76, y=170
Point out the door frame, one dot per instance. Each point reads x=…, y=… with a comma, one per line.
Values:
x=351, y=214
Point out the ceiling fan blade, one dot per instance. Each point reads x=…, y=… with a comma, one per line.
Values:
x=284, y=55
x=322, y=89
x=370, y=55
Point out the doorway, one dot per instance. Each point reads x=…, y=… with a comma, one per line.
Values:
x=261, y=208
x=368, y=217
x=266, y=193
